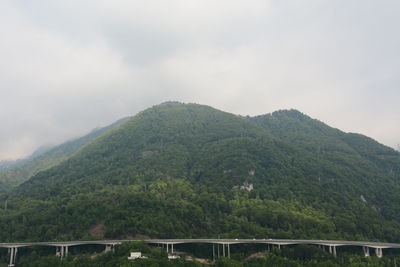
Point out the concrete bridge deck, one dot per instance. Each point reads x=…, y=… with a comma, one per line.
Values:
x=210, y=241
x=62, y=246
x=276, y=242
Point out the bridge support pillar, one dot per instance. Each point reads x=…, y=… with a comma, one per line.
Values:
x=172, y=248
x=213, y=252
x=378, y=252
x=108, y=248
x=366, y=251
x=62, y=251
x=13, y=256
x=226, y=251
x=332, y=250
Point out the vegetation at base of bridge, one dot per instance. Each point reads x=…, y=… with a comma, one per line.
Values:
x=242, y=256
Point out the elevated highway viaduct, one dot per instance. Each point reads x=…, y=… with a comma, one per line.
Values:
x=61, y=248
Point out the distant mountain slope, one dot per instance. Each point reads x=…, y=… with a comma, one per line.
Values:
x=298, y=129
x=371, y=167
x=44, y=158
x=187, y=170
x=8, y=164
x=5, y=164
x=311, y=134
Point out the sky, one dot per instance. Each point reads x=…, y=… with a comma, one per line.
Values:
x=68, y=66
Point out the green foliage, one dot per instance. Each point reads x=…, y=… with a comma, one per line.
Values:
x=116, y=258
x=296, y=256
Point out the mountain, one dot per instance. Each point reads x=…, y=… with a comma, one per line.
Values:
x=357, y=164
x=5, y=164
x=188, y=170
x=8, y=164
x=17, y=172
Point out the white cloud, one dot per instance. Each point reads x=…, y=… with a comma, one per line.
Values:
x=68, y=66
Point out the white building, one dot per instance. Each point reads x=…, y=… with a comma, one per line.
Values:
x=136, y=255
x=173, y=257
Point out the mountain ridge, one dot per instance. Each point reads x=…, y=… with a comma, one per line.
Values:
x=46, y=157
x=185, y=170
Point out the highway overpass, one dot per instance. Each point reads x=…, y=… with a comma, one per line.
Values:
x=62, y=246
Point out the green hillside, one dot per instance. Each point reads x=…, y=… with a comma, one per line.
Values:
x=187, y=170
x=44, y=158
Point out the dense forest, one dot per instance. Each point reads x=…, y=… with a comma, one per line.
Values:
x=187, y=170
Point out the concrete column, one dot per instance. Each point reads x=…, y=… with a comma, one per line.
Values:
x=172, y=248
x=332, y=250
x=167, y=248
x=11, y=257
x=366, y=251
x=378, y=252
x=229, y=252
x=108, y=248
x=62, y=251
x=213, y=252
x=223, y=250
x=218, y=251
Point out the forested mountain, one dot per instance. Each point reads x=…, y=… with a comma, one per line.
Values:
x=5, y=164
x=188, y=170
x=21, y=170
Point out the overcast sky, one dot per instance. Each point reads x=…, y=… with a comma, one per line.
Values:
x=67, y=66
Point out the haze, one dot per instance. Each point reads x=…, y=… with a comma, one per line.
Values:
x=69, y=66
